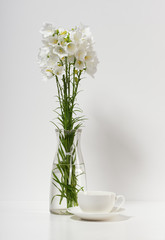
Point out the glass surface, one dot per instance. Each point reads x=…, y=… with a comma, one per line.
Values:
x=68, y=175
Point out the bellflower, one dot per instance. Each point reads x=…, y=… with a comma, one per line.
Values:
x=73, y=47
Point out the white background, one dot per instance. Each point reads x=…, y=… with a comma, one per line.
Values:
x=123, y=142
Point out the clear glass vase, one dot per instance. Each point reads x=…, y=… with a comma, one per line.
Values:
x=68, y=175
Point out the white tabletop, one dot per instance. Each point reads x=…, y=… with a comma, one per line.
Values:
x=32, y=220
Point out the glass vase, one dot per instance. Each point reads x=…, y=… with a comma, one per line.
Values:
x=68, y=175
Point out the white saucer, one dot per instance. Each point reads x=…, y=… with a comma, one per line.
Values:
x=93, y=216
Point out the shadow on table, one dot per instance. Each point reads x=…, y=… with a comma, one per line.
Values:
x=116, y=218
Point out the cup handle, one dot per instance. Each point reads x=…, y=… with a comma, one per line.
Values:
x=120, y=200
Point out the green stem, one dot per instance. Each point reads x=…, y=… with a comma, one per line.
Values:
x=66, y=154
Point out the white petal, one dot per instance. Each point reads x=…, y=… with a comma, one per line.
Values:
x=47, y=30
x=71, y=59
x=76, y=36
x=42, y=56
x=47, y=73
x=91, y=68
x=53, y=40
x=80, y=54
x=52, y=60
x=62, y=41
x=43, y=52
x=59, y=70
x=79, y=64
x=85, y=30
x=60, y=50
x=71, y=48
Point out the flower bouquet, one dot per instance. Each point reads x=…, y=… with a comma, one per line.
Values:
x=66, y=55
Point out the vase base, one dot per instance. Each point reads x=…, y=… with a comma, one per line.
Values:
x=62, y=211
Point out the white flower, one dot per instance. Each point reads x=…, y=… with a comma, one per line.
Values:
x=89, y=56
x=53, y=40
x=79, y=64
x=60, y=50
x=61, y=41
x=47, y=73
x=46, y=42
x=47, y=30
x=43, y=52
x=85, y=31
x=91, y=68
x=87, y=43
x=71, y=59
x=42, y=56
x=59, y=70
x=76, y=36
x=52, y=60
x=75, y=44
x=71, y=48
x=80, y=54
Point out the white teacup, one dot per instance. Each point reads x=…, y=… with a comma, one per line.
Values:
x=99, y=201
